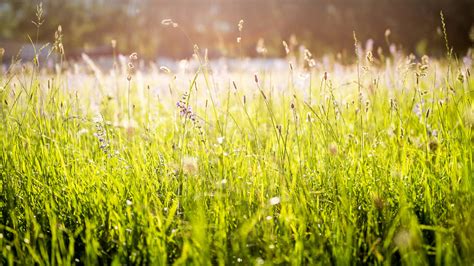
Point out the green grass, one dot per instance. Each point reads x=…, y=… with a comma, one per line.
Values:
x=279, y=171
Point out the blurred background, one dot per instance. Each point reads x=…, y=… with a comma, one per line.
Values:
x=323, y=26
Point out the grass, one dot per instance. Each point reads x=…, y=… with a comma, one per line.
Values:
x=367, y=163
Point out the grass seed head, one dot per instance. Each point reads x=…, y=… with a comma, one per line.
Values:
x=169, y=22
x=332, y=148
x=240, y=25
x=165, y=69
x=287, y=48
x=261, y=49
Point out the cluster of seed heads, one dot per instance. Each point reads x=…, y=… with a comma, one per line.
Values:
x=39, y=15
x=308, y=57
x=58, y=41
x=393, y=104
x=422, y=67
x=240, y=27
x=131, y=67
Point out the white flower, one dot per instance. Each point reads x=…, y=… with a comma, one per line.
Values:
x=274, y=201
x=129, y=203
x=220, y=140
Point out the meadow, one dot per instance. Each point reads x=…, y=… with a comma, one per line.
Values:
x=307, y=162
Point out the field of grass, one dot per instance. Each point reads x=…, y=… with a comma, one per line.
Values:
x=318, y=163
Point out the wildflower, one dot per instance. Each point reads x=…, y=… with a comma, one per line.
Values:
x=187, y=112
x=101, y=135
x=274, y=201
x=129, y=203
x=220, y=140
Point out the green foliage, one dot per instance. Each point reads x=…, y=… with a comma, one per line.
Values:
x=375, y=167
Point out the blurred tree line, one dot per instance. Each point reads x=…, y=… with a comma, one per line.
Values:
x=322, y=25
